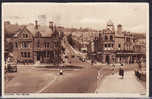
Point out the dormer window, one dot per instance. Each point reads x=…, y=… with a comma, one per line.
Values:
x=25, y=35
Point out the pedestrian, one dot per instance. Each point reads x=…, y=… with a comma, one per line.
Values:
x=92, y=62
x=121, y=64
x=121, y=72
x=139, y=65
x=113, y=69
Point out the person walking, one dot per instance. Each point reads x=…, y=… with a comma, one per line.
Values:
x=139, y=65
x=92, y=62
x=113, y=69
x=121, y=72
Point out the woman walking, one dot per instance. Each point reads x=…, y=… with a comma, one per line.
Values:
x=121, y=72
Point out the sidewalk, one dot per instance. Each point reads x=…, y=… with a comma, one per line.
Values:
x=114, y=84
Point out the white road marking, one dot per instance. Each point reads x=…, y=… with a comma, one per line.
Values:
x=99, y=75
x=45, y=87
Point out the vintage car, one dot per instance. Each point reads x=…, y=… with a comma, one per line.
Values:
x=11, y=65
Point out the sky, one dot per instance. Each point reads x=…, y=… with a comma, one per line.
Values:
x=133, y=16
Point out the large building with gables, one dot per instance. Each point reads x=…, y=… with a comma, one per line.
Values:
x=117, y=46
x=35, y=43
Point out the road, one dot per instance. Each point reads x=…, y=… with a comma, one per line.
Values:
x=84, y=80
x=114, y=83
x=78, y=82
x=39, y=80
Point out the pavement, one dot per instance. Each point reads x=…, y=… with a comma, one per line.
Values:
x=115, y=84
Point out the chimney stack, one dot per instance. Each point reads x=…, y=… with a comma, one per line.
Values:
x=51, y=25
x=36, y=24
x=119, y=28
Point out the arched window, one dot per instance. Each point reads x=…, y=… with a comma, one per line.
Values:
x=109, y=45
x=112, y=45
x=119, y=45
x=106, y=38
x=111, y=38
x=16, y=45
x=105, y=45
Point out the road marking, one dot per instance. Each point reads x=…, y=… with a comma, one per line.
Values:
x=99, y=75
x=45, y=87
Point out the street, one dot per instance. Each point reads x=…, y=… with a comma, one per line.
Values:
x=33, y=79
x=84, y=80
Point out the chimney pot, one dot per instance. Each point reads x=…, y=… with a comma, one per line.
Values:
x=36, y=24
x=51, y=25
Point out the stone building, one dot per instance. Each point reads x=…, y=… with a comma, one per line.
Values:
x=118, y=46
x=38, y=44
x=108, y=43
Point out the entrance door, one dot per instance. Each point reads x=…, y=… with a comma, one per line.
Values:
x=107, y=59
x=38, y=56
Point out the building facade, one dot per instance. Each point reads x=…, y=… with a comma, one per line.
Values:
x=118, y=46
x=32, y=47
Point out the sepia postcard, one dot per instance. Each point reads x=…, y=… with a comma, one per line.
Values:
x=75, y=49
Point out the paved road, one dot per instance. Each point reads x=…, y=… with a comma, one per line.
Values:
x=39, y=80
x=83, y=81
x=114, y=83
x=43, y=80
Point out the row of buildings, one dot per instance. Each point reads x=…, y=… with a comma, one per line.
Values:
x=117, y=46
x=34, y=43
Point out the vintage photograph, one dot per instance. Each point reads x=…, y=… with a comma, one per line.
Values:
x=93, y=49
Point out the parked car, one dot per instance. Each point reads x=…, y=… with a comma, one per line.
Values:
x=11, y=65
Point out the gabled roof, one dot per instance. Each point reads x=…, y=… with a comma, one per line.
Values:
x=44, y=30
x=109, y=22
x=19, y=30
x=11, y=28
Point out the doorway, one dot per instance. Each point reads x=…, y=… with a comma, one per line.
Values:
x=107, y=59
x=38, y=56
